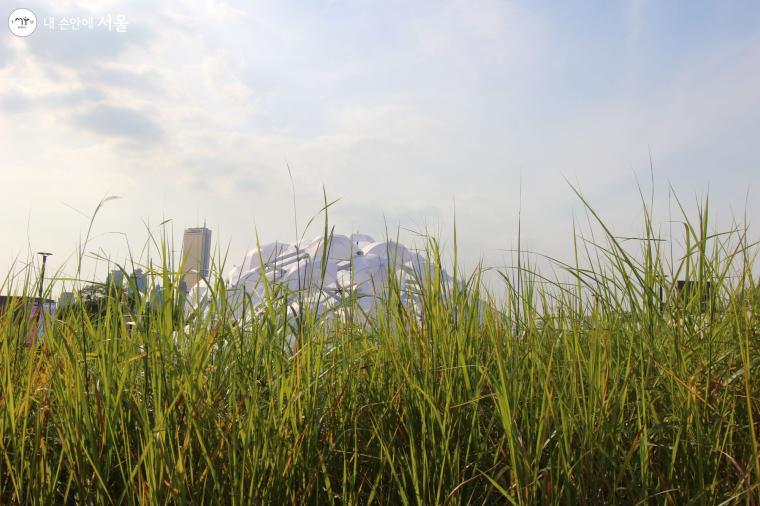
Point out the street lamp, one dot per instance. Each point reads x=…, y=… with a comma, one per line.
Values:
x=42, y=273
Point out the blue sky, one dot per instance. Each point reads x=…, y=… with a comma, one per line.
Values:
x=409, y=112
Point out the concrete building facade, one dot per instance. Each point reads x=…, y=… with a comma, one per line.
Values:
x=196, y=255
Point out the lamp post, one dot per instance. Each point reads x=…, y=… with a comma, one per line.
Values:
x=42, y=273
x=31, y=338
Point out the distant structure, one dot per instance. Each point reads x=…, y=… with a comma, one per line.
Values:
x=30, y=306
x=196, y=255
x=156, y=297
x=327, y=274
x=115, y=278
x=686, y=290
x=141, y=282
x=19, y=303
x=66, y=299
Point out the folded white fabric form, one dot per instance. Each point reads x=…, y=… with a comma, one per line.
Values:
x=321, y=274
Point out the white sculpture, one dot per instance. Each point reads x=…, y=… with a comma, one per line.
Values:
x=320, y=274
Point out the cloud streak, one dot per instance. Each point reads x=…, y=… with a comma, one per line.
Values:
x=120, y=123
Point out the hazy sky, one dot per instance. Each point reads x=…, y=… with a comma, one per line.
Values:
x=409, y=112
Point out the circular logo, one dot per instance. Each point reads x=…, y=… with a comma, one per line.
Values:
x=22, y=22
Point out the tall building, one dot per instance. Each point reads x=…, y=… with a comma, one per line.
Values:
x=137, y=281
x=196, y=255
x=115, y=278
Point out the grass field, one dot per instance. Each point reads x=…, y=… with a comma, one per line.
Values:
x=604, y=385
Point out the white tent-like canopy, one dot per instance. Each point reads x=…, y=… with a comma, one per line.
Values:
x=321, y=273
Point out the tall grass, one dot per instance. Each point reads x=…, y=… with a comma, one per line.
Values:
x=612, y=388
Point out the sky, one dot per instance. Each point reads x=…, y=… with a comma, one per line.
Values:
x=416, y=116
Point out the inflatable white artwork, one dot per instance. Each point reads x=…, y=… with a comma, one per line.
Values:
x=354, y=266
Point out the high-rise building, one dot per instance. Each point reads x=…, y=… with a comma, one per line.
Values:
x=137, y=281
x=196, y=255
x=115, y=278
